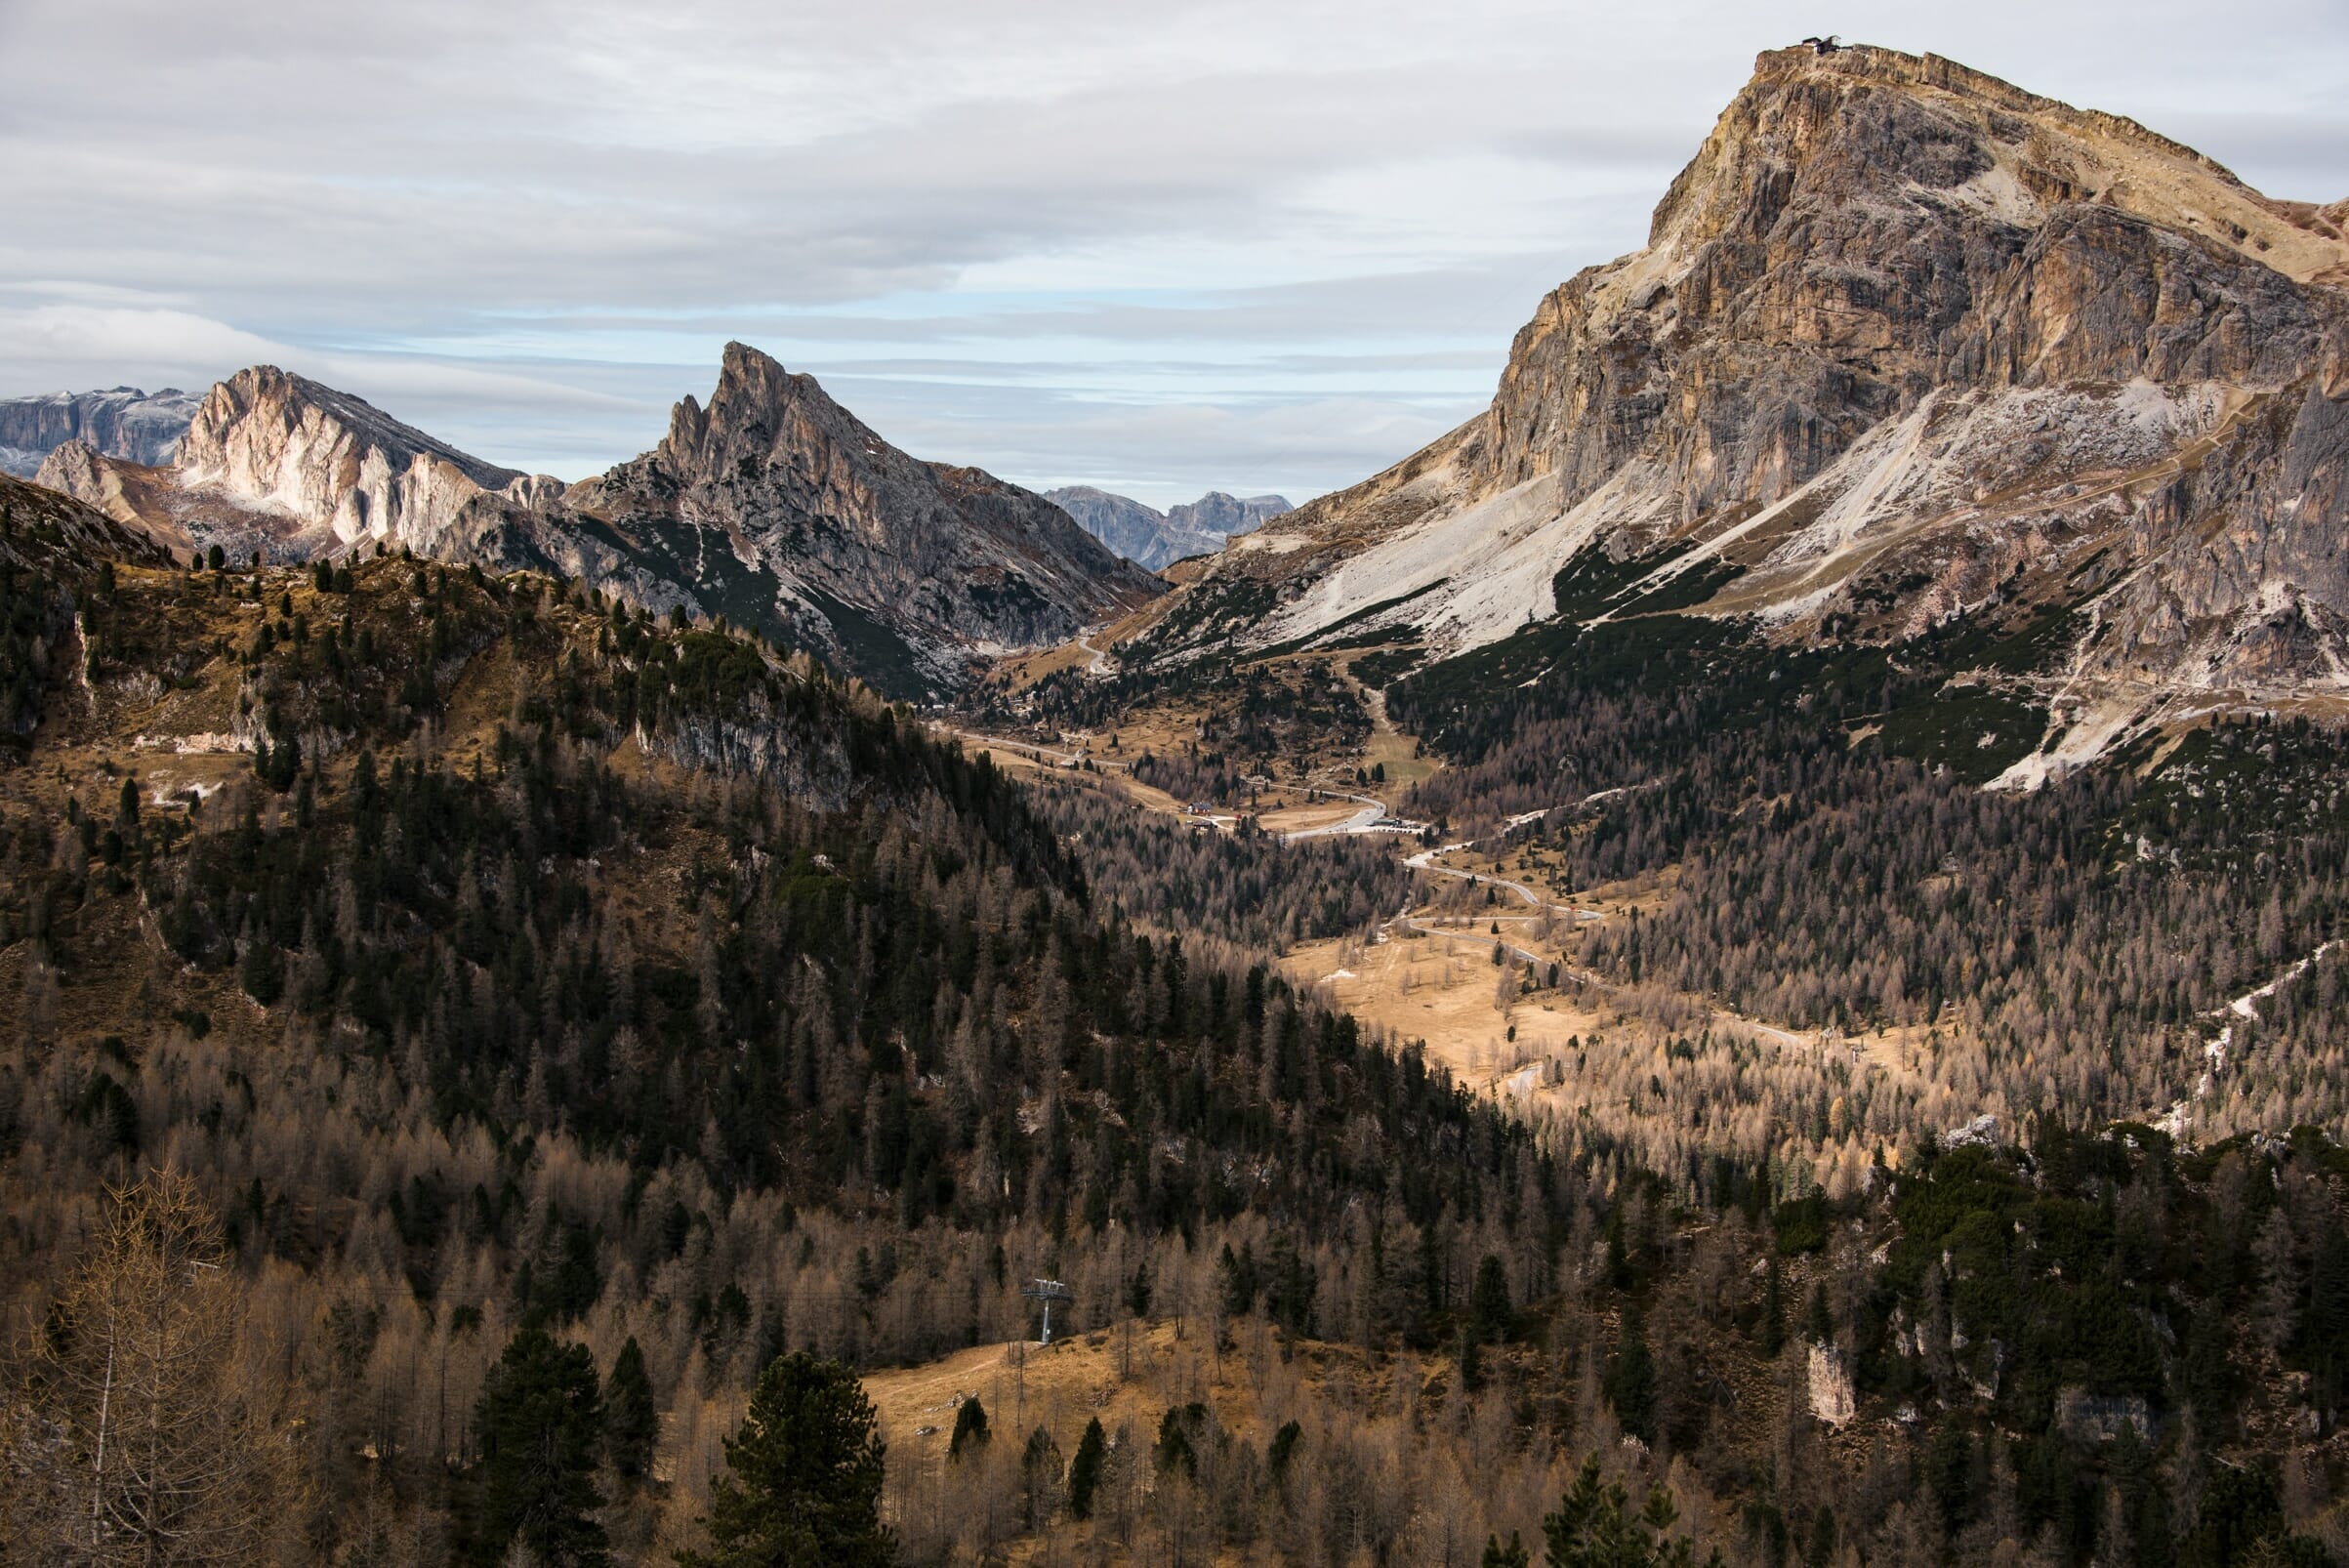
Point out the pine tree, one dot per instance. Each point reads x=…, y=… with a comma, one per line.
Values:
x=1085, y=1470
x=803, y=1488
x=1489, y=1309
x=630, y=1415
x=540, y=1423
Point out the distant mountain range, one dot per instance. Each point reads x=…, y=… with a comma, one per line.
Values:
x=121, y=422
x=1151, y=538
x=772, y=505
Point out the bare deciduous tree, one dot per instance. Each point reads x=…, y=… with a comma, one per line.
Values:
x=137, y=1436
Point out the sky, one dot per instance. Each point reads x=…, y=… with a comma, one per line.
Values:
x=1157, y=248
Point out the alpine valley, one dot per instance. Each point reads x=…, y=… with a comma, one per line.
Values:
x=1741, y=960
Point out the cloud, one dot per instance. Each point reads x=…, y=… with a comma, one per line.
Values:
x=79, y=341
x=1051, y=237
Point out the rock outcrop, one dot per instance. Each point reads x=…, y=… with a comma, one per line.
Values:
x=1906, y=342
x=122, y=422
x=1833, y=1398
x=62, y=537
x=773, y=505
x=1151, y=538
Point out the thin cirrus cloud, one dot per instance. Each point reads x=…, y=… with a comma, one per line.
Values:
x=1253, y=246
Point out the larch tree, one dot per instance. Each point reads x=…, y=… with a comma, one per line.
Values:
x=139, y=1436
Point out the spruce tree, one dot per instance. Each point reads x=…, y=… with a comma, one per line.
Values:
x=1283, y=1451
x=632, y=1417
x=803, y=1488
x=1630, y=1385
x=540, y=1423
x=1489, y=1309
x=1471, y=1361
x=1513, y=1555
x=1593, y=1527
x=1137, y=1293
x=1085, y=1470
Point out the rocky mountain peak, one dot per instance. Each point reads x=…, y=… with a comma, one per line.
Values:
x=1874, y=225
x=770, y=504
x=1900, y=126
x=1220, y=512
x=759, y=411
x=251, y=424
x=789, y=513
x=1907, y=343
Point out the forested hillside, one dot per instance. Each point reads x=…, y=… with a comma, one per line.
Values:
x=495, y=989
x=476, y=1030
x=1809, y=842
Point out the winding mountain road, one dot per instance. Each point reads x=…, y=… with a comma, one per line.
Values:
x=1366, y=820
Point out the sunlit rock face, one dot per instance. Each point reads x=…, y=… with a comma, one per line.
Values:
x=780, y=505
x=1905, y=341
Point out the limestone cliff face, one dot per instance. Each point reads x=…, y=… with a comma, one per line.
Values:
x=784, y=510
x=286, y=444
x=123, y=421
x=1227, y=515
x=1904, y=339
x=1833, y=1399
